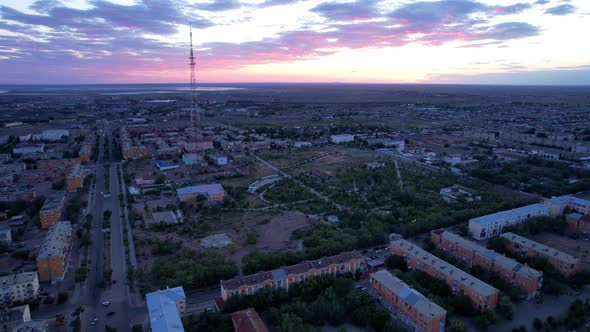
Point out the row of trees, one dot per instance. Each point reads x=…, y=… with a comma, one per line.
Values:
x=305, y=307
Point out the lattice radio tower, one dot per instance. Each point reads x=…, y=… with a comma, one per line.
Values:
x=195, y=117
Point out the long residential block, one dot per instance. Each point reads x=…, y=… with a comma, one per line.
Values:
x=290, y=275
x=409, y=306
x=511, y=271
x=15, y=288
x=491, y=225
x=482, y=296
x=564, y=263
x=52, y=261
x=52, y=209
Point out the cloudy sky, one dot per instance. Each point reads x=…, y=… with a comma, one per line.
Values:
x=391, y=41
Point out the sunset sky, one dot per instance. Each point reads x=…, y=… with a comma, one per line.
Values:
x=373, y=41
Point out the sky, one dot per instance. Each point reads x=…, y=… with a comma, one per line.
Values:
x=362, y=41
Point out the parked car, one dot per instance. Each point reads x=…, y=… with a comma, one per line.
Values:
x=110, y=313
x=106, y=303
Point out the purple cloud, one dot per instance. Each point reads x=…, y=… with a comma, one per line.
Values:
x=561, y=10
x=347, y=11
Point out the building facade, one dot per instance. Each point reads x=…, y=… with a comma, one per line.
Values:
x=12, y=317
x=342, y=138
x=52, y=209
x=75, y=178
x=409, y=306
x=213, y=192
x=491, y=225
x=19, y=287
x=290, y=275
x=57, y=163
x=564, y=263
x=511, y=271
x=483, y=296
x=52, y=261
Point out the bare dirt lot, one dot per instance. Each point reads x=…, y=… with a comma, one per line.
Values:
x=577, y=248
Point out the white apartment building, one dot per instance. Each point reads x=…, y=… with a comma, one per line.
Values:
x=491, y=225
x=19, y=287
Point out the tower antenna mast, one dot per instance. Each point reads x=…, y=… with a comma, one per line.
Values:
x=195, y=119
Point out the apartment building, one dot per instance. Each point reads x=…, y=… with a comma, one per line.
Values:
x=52, y=261
x=290, y=275
x=511, y=271
x=85, y=153
x=165, y=307
x=491, y=225
x=52, y=209
x=128, y=149
x=75, y=178
x=409, y=306
x=342, y=138
x=564, y=263
x=213, y=192
x=559, y=204
x=12, y=317
x=578, y=222
x=482, y=296
x=57, y=163
x=18, y=287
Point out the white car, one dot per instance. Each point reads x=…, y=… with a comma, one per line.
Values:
x=94, y=321
x=106, y=303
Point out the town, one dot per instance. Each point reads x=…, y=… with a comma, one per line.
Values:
x=295, y=208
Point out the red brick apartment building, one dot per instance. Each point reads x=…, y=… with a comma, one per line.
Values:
x=52, y=209
x=483, y=296
x=511, y=271
x=412, y=308
x=290, y=275
x=57, y=163
x=564, y=263
x=578, y=222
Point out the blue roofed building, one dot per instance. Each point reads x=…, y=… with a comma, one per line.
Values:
x=213, y=192
x=491, y=225
x=164, y=166
x=165, y=307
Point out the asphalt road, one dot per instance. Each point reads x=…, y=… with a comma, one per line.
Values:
x=127, y=310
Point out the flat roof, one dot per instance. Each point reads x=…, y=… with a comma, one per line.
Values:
x=518, y=212
x=209, y=189
x=248, y=320
x=502, y=260
x=56, y=240
x=162, y=310
x=283, y=272
x=17, y=278
x=409, y=295
x=539, y=247
x=459, y=276
x=54, y=201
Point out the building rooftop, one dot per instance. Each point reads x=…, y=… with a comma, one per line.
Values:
x=14, y=314
x=518, y=212
x=56, y=240
x=209, y=189
x=248, y=320
x=162, y=310
x=283, y=272
x=541, y=248
x=459, y=276
x=408, y=294
x=502, y=260
x=54, y=201
x=18, y=278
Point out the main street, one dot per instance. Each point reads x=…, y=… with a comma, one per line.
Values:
x=126, y=306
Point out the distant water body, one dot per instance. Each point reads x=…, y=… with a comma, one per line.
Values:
x=110, y=89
